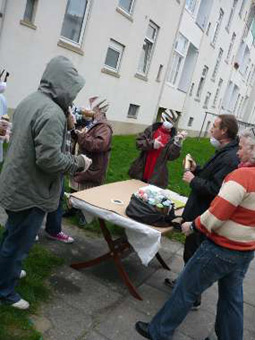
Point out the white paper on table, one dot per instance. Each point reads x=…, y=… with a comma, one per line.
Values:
x=144, y=239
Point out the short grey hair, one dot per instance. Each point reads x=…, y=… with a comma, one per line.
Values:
x=249, y=135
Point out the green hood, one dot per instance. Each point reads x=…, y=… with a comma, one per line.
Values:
x=61, y=82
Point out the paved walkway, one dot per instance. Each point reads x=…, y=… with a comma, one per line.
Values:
x=93, y=304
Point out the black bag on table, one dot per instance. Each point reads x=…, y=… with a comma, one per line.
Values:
x=146, y=213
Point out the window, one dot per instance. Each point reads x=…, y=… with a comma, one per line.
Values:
x=178, y=57
x=203, y=14
x=252, y=78
x=207, y=98
x=244, y=61
x=190, y=122
x=207, y=128
x=191, y=89
x=216, y=67
x=237, y=102
x=217, y=92
x=133, y=111
x=242, y=8
x=30, y=10
x=74, y=20
x=160, y=69
x=232, y=11
x=114, y=55
x=148, y=45
x=217, y=27
x=191, y=5
x=240, y=107
x=202, y=81
x=250, y=73
x=126, y=5
x=230, y=48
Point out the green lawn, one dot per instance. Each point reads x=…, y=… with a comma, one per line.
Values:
x=15, y=324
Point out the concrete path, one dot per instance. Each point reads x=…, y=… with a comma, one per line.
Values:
x=94, y=304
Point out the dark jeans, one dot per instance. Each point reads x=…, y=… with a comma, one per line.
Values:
x=53, y=224
x=20, y=232
x=209, y=264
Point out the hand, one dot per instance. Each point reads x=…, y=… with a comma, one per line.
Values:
x=87, y=161
x=186, y=228
x=182, y=135
x=157, y=143
x=188, y=176
x=81, y=131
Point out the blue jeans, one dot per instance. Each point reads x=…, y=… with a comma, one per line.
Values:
x=20, y=231
x=209, y=264
x=53, y=224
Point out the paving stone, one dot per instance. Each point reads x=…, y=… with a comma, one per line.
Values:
x=94, y=336
x=119, y=325
x=68, y=322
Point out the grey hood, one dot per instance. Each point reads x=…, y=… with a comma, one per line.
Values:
x=61, y=82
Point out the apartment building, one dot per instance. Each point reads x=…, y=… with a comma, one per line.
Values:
x=212, y=69
x=195, y=57
x=122, y=48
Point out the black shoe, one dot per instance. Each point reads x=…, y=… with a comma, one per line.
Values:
x=142, y=329
x=170, y=283
x=196, y=305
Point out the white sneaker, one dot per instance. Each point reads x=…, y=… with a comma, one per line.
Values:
x=22, y=274
x=21, y=304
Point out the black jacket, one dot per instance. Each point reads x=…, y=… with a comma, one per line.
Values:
x=207, y=181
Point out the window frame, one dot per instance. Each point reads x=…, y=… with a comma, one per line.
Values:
x=202, y=82
x=34, y=9
x=231, y=14
x=231, y=45
x=153, y=43
x=137, y=110
x=181, y=54
x=191, y=6
x=217, y=64
x=124, y=10
x=217, y=92
x=83, y=27
x=120, y=51
x=217, y=27
x=207, y=99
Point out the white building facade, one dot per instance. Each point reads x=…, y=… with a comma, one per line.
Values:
x=143, y=56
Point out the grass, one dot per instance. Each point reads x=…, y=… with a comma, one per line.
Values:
x=124, y=152
x=16, y=324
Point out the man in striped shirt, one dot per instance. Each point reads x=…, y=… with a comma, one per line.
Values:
x=229, y=225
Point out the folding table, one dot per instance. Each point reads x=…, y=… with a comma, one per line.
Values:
x=108, y=203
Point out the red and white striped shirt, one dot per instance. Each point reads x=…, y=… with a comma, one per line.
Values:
x=230, y=219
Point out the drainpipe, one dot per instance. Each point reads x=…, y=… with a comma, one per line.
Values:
x=168, y=63
x=3, y=5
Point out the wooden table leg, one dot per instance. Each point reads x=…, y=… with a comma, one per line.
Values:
x=162, y=262
x=118, y=249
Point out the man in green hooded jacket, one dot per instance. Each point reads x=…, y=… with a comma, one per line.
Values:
x=32, y=173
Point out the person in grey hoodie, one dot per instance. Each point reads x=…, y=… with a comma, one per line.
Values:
x=31, y=177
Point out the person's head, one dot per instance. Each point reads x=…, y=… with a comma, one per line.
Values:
x=61, y=82
x=168, y=119
x=246, y=151
x=224, y=129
